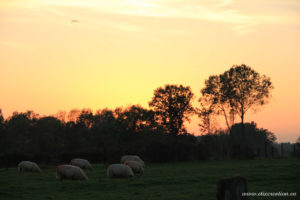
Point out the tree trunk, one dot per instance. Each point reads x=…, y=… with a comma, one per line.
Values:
x=245, y=143
x=226, y=120
x=242, y=123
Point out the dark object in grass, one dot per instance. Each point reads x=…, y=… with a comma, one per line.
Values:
x=232, y=188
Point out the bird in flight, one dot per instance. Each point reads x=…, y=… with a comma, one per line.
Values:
x=74, y=21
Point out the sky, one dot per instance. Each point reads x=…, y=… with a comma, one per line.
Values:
x=65, y=54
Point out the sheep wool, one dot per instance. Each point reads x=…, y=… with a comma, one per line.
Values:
x=70, y=172
x=119, y=171
x=28, y=166
x=132, y=158
x=82, y=163
x=136, y=167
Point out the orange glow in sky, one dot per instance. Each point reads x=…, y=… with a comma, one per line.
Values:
x=65, y=54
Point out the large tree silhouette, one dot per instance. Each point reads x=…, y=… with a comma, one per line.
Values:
x=172, y=105
x=214, y=102
x=239, y=89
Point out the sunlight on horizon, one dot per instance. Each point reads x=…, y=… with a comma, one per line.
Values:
x=62, y=54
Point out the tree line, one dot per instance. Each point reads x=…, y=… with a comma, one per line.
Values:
x=157, y=134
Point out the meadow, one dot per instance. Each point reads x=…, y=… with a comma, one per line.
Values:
x=167, y=181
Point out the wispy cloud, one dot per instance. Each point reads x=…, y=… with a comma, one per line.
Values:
x=235, y=13
x=226, y=11
x=225, y=3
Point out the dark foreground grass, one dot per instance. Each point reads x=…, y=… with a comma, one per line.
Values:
x=169, y=181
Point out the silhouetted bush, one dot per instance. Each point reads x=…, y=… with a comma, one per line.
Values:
x=254, y=142
x=107, y=135
x=103, y=137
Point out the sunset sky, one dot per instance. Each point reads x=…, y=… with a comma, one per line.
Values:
x=64, y=54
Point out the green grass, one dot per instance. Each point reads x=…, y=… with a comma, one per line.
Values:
x=167, y=181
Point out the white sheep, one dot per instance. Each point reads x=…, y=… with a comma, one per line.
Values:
x=82, y=163
x=132, y=158
x=28, y=166
x=119, y=171
x=136, y=167
x=70, y=172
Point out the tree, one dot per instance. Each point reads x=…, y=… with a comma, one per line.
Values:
x=214, y=101
x=73, y=115
x=2, y=134
x=172, y=105
x=1, y=118
x=245, y=88
x=297, y=147
x=205, y=114
x=61, y=115
x=46, y=138
x=135, y=119
x=19, y=134
x=253, y=142
x=239, y=89
x=1, y=123
x=86, y=118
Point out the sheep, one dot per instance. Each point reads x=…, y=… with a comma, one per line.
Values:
x=28, y=166
x=132, y=158
x=82, y=163
x=119, y=171
x=136, y=167
x=70, y=172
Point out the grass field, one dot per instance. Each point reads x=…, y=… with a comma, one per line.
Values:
x=173, y=181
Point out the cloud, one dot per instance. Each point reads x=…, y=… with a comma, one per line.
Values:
x=243, y=16
x=225, y=3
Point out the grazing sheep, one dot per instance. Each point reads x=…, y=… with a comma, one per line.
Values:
x=232, y=188
x=70, y=172
x=132, y=158
x=119, y=171
x=82, y=163
x=28, y=166
x=136, y=167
